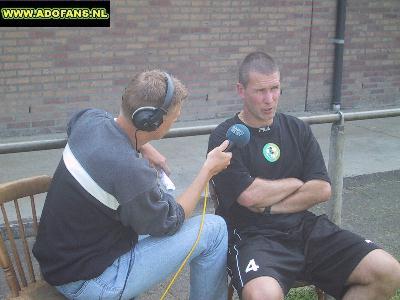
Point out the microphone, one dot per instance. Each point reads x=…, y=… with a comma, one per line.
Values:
x=238, y=135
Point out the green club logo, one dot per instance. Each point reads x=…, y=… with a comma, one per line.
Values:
x=271, y=152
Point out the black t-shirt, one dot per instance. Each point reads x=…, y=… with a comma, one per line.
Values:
x=287, y=149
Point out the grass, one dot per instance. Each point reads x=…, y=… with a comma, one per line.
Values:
x=303, y=293
x=307, y=293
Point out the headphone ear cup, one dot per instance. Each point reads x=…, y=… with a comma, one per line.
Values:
x=149, y=118
x=142, y=119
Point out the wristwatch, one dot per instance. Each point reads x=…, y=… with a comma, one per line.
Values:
x=267, y=211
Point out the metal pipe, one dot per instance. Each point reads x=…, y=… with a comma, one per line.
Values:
x=32, y=146
x=373, y=114
x=188, y=131
x=202, y=130
x=321, y=119
x=339, y=48
x=335, y=169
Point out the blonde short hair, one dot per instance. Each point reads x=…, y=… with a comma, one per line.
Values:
x=148, y=89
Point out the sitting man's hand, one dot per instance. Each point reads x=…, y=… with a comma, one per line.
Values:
x=155, y=158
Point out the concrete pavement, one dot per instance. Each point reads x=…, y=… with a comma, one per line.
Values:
x=371, y=188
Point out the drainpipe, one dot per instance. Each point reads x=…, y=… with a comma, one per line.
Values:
x=339, y=46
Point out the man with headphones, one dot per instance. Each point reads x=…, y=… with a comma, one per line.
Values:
x=106, y=192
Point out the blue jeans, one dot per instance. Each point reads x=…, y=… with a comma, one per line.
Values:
x=153, y=259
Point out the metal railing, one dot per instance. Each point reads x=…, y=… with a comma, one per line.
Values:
x=336, y=148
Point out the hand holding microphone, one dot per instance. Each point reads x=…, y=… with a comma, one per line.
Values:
x=238, y=135
x=217, y=159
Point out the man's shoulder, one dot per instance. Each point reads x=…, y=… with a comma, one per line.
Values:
x=289, y=118
x=223, y=126
x=291, y=121
x=89, y=112
x=87, y=115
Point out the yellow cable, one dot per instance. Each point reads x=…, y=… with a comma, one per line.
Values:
x=191, y=250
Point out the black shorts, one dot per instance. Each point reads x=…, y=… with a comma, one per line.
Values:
x=316, y=251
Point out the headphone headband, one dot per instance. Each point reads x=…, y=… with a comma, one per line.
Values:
x=169, y=94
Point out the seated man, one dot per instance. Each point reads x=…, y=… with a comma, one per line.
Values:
x=264, y=195
x=104, y=194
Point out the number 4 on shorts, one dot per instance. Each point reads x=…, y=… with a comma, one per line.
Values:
x=252, y=266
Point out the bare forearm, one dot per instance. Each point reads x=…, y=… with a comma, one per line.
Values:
x=217, y=160
x=308, y=195
x=262, y=193
x=190, y=197
x=155, y=158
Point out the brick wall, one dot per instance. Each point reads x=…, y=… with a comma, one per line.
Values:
x=372, y=58
x=48, y=73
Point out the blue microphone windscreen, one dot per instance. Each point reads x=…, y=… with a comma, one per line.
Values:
x=238, y=134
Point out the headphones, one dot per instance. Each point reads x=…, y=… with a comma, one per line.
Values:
x=149, y=118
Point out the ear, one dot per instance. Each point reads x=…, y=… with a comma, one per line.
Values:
x=240, y=89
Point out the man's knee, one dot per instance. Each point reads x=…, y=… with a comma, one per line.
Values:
x=216, y=219
x=387, y=272
x=215, y=222
x=215, y=226
x=262, y=288
x=384, y=266
x=379, y=270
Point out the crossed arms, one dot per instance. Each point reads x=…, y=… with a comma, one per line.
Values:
x=287, y=195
